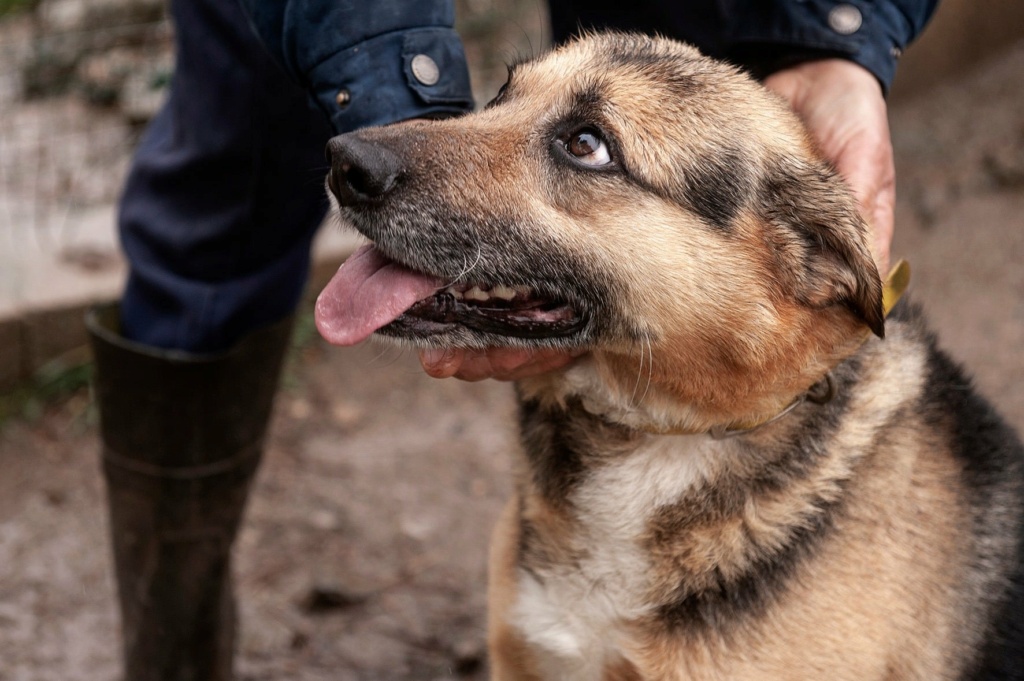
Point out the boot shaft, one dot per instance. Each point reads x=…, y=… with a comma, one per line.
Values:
x=182, y=439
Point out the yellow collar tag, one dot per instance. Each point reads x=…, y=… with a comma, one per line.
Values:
x=895, y=285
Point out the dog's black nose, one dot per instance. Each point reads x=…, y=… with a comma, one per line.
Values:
x=361, y=171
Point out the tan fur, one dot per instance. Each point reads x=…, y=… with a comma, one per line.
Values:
x=510, y=655
x=849, y=614
x=726, y=271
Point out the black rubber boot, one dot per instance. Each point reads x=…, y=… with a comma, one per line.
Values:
x=182, y=438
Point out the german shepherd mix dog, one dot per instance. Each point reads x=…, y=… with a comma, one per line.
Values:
x=739, y=479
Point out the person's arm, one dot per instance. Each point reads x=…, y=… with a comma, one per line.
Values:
x=767, y=36
x=834, y=62
x=369, y=63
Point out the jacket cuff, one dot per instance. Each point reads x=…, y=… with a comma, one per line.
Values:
x=767, y=37
x=419, y=73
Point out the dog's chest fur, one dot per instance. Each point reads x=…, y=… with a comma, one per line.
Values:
x=641, y=553
x=576, y=610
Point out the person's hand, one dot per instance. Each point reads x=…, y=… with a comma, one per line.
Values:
x=843, y=107
x=503, y=364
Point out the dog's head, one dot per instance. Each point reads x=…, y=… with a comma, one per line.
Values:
x=621, y=194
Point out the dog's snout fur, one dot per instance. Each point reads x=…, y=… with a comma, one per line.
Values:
x=361, y=170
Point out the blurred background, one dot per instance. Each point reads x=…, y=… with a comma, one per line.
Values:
x=363, y=551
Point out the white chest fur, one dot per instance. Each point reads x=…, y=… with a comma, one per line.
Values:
x=576, y=614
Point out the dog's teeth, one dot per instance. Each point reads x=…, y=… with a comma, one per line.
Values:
x=476, y=294
x=503, y=292
x=482, y=293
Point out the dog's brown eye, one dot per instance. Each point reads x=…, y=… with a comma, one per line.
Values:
x=584, y=144
x=588, y=148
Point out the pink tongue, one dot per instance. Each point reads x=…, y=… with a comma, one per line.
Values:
x=368, y=292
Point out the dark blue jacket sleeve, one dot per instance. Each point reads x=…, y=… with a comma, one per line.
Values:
x=369, y=62
x=764, y=35
x=873, y=33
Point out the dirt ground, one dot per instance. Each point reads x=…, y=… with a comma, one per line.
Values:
x=363, y=551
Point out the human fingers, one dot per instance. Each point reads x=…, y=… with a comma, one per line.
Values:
x=503, y=364
x=844, y=109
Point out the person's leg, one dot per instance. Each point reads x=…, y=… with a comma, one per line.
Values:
x=225, y=192
x=182, y=439
x=217, y=217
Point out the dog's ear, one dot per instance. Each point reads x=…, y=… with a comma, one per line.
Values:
x=814, y=218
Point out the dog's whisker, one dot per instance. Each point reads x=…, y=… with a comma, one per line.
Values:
x=639, y=377
x=467, y=268
x=650, y=369
x=384, y=351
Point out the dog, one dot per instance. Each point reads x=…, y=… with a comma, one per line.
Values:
x=751, y=472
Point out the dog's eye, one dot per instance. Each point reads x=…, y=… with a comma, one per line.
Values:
x=588, y=147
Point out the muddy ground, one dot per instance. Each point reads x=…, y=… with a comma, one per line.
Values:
x=363, y=550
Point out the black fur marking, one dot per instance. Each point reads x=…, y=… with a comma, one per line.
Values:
x=992, y=460
x=556, y=468
x=586, y=111
x=719, y=603
x=556, y=462
x=1002, y=657
x=562, y=446
x=717, y=187
x=718, y=608
x=810, y=202
x=588, y=101
x=558, y=448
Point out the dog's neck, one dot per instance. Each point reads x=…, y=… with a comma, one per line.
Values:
x=667, y=417
x=687, y=525
x=642, y=516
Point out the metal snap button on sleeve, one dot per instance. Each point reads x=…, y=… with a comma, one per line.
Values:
x=425, y=69
x=845, y=19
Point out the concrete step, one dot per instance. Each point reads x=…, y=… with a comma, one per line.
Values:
x=53, y=267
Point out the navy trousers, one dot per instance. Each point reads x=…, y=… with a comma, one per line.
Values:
x=225, y=192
